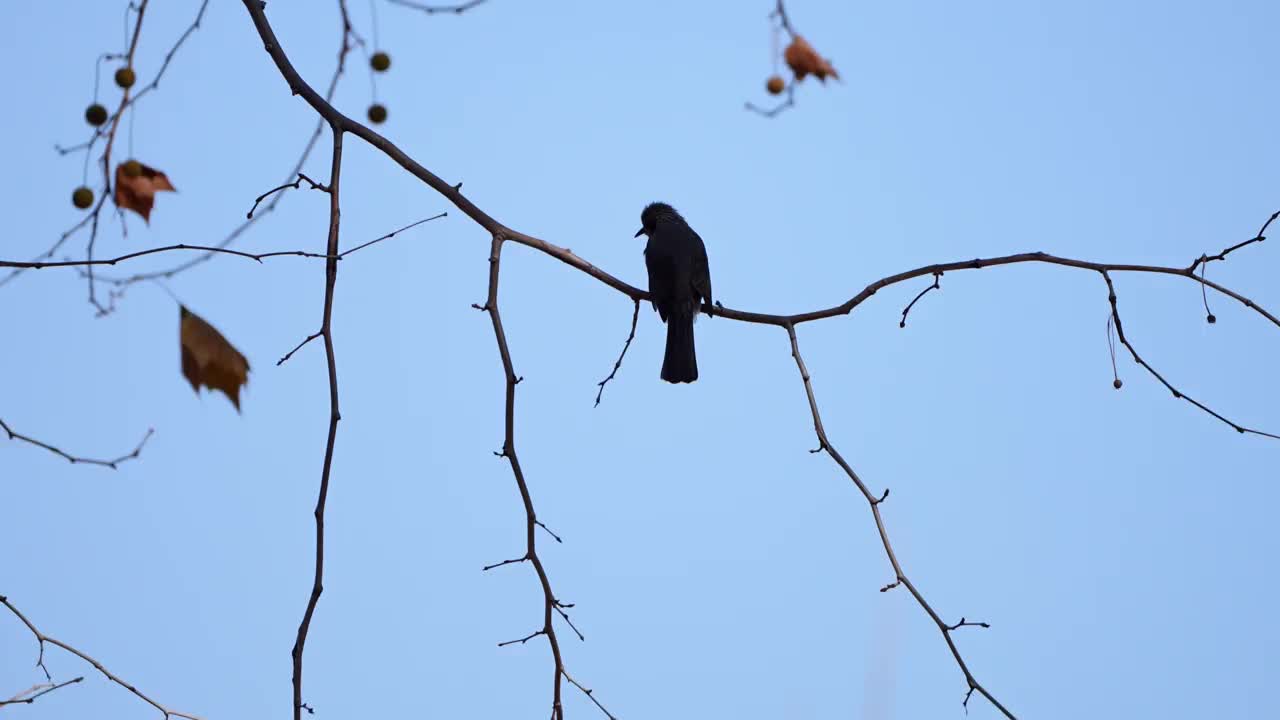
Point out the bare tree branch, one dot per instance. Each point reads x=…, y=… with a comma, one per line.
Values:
x=457, y=9
x=550, y=602
x=502, y=233
x=42, y=639
x=152, y=251
x=350, y=40
x=1178, y=394
x=326, y=333
x=780, y=14
x=900, y=577
x=39, y=265
x=106, y=152
x=168, y=57
x=75, y=459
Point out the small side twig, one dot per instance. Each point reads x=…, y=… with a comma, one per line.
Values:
x=965, y=623
x=523, y=640
x=547, y=530
x=29, y=695
x=635, y=316
x=1222, y=255
x=937, y=279
x=512, y=561
x=295, y=185
x=391, y=234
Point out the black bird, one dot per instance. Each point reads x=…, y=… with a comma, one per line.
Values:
x=679, y=281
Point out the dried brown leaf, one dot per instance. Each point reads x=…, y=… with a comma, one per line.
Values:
x=208, y=359
x=138, y=193
x=804, y=60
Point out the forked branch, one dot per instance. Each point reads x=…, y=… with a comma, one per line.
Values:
x=502, y=234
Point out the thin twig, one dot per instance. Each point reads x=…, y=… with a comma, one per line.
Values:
x=29, y=695
x=587, y=691
x=75, y=459
x=900, y=576
x=297, y=183
x=168, y=57
x=790, y=102
x=42, y=639
x=105, y=160
x=391, y=234
x=512, y=561
x=635, y=315
x=547, y=530
x=40, y=265
x=457, y=9
x=1178, y=394
x=937, y=279
x=297, y=347
x=522, y=640
x=780, y=14
x=1261, y=236
x=326, y=332
x=350, y=40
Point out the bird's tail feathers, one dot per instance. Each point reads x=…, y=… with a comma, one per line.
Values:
x=680, y=364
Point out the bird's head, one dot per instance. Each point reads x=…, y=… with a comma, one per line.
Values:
x=652, y=214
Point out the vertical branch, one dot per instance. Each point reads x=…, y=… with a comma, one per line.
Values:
x=106, y=156
x=550, y=603
x=326, y=332
x=509, y=452
x=900, y=577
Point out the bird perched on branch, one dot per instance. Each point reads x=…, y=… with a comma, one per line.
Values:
x=679, y=281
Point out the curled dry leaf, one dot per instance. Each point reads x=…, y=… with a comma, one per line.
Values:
x=208, y=359
x=804, y=60
x=138, y=193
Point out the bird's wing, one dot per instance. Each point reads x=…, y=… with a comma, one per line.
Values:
x=701, y=271
x=662, y=273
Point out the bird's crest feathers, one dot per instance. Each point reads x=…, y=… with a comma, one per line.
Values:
x=656, y=211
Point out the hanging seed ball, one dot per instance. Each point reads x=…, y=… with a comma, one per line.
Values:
x=775, y=85
x=131, y=168
x=1117, y=384
x=82, y=197
x=1212, y=318
x=125, y=77
x=380, y=61
x=95, y=115
x=377, y=113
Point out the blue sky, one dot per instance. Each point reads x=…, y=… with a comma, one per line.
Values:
x=1121, y=544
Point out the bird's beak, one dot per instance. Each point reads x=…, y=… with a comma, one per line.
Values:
x=639, y=233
